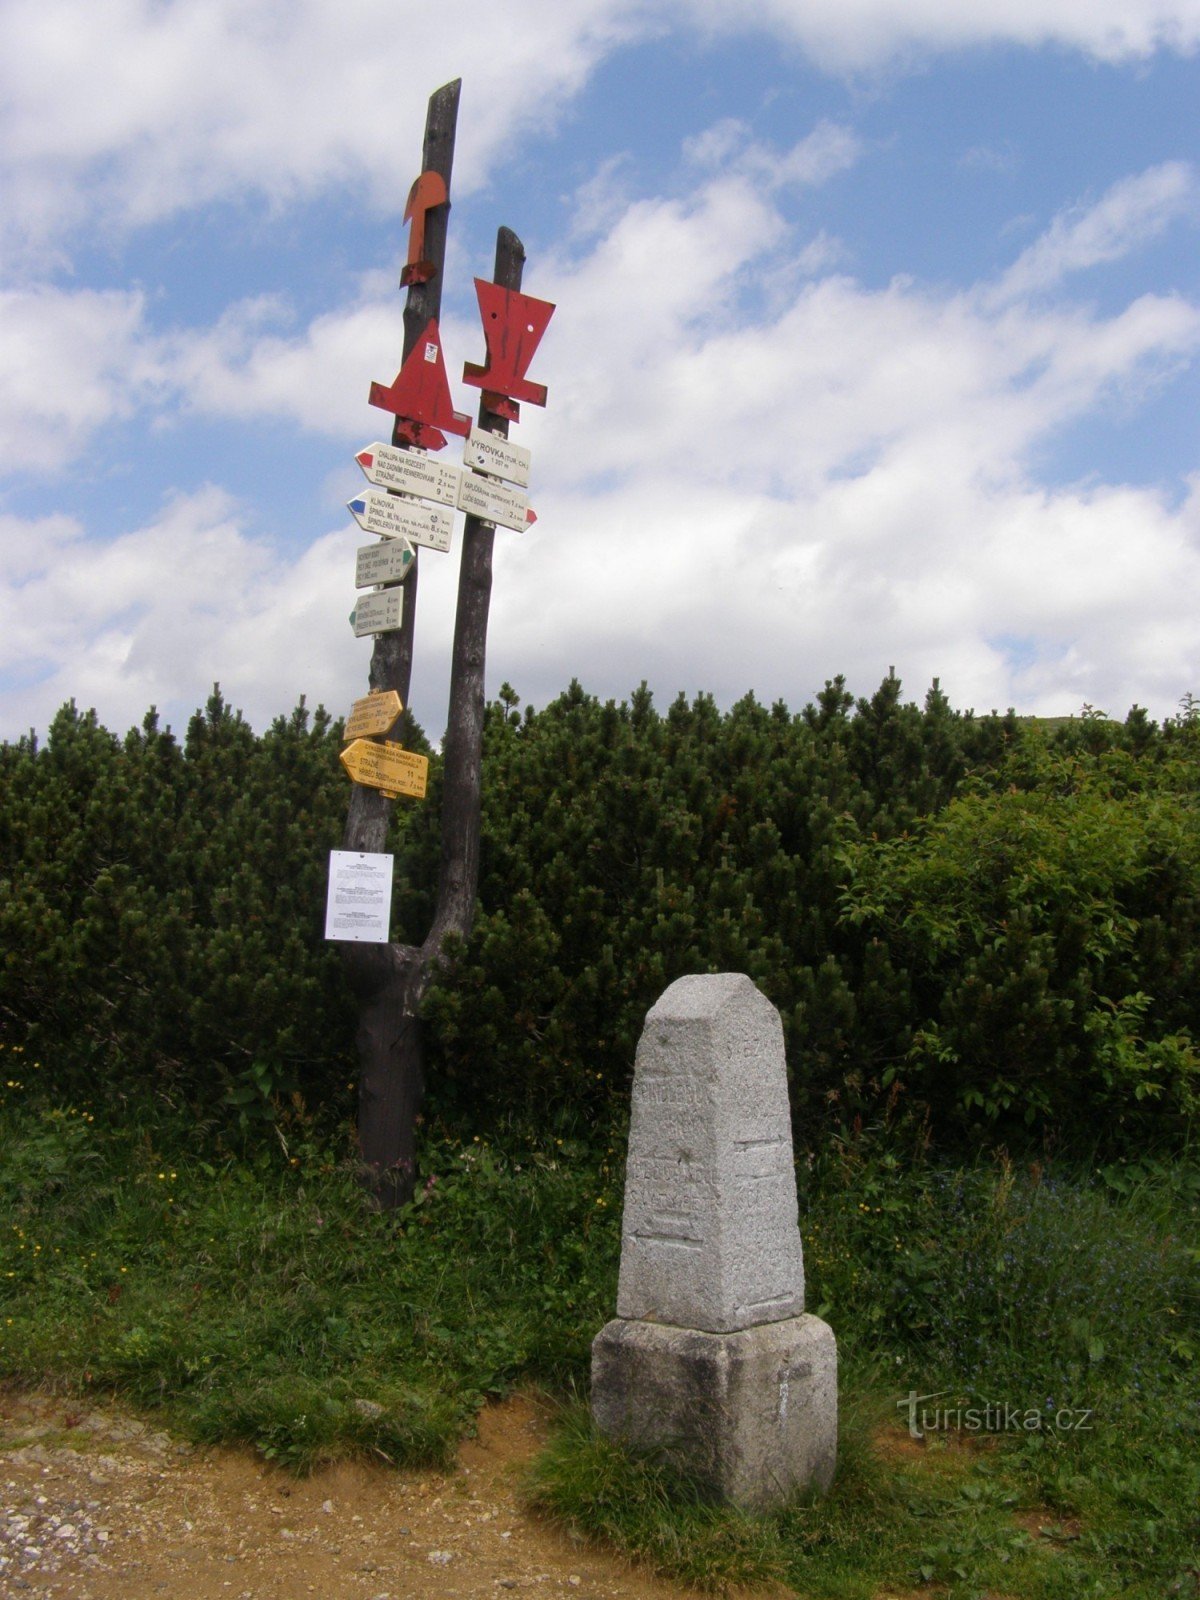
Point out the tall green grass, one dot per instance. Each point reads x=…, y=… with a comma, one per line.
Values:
x=1068, y=1301
x=266, y=1303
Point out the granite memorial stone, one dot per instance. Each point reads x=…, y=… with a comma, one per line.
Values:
x=711, y=1357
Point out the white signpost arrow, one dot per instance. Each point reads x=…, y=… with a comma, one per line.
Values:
x=388, y=562
x=494, y=502
x=381, y=612
x=402, y=519
x=389, y=467
x=490, y=453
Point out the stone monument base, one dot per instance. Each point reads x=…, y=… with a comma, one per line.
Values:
x=752, y=1415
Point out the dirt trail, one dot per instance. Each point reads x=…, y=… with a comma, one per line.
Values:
x=95, y=1505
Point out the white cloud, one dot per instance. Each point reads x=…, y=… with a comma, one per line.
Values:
x=160, y=613
x=118, y=113
x=822, y=254
x=729, y=497
x=127, y=111
x=153, y=616
x=727, y=147
x=1002, y=158
x=738, y=501
x=1131, y=213
x=857, y=34
x=252, y=362
x=70, y=361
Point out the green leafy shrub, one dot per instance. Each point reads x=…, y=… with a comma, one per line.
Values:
x=1049, y=918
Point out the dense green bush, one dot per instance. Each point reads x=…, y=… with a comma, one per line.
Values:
x=161, y=905
x=962, y=920
x=623, y=848
x=1049, y=918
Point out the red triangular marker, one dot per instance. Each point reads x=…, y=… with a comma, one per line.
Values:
x=420, y=397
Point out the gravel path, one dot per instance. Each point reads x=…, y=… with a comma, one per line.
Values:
x=95, y=1505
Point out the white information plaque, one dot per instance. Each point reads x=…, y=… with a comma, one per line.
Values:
x=359, y=906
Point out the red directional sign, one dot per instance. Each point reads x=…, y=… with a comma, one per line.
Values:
x=513, y=324
x=428, y=190
x=420, y=397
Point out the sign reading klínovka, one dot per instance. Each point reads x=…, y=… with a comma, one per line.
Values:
x=387, y=767
x=374, y=713
x=488, y=452
x=381, y=612
x=402, y=519
x=493, y=502
x=388, y=562
x=389, y=467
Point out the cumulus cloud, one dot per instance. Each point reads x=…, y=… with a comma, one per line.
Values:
x=119, y=113
x=157, y=614
x=738, y=500
x=70, y=361
x=198, y=102
x=254, y=361
x=735, y=490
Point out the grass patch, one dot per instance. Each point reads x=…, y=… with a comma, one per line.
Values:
x=265, y=1304
x=1063, y=1310
x=260, y=1302
x=654, y=1514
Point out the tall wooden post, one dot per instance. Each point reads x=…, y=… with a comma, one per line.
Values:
x=390, y=980
x=462, y=748
x=392, y=657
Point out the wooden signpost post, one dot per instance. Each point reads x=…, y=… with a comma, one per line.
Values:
x=419, y=498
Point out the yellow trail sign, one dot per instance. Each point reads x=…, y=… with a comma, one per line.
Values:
x=386, y=767
x=374, y=713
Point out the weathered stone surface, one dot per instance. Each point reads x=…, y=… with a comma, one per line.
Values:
x=753, y=1415
x=710, y=1238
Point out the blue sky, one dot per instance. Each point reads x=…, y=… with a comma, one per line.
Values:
x=877, y=345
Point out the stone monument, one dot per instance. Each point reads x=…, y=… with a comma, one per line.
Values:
x=711, y=1358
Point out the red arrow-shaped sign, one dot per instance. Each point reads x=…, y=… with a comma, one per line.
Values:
x=428, y=190
x=513, y=325
x=420, y=397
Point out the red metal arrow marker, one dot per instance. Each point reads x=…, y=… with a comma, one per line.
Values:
x=513, y=325
x=420, y=397
x=428, y=190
